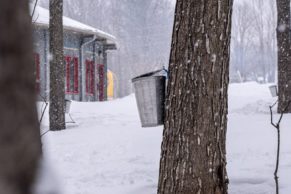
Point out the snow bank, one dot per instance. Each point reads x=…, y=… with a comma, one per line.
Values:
x=250, y=98
x=108, y=152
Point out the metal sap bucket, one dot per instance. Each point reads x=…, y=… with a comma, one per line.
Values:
x=273, y=90
x=150, y=97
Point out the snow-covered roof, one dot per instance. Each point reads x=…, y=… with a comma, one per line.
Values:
x=41, y=18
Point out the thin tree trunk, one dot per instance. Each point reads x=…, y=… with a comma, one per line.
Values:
x=57, y=69
x=193, y=149
x=284, y=52
x=20, y=146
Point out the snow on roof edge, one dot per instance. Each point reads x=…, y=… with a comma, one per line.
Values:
x=41, y=18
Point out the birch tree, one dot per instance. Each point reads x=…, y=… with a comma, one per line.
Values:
x=20, y=146
x=57, y=69
x=193, y=150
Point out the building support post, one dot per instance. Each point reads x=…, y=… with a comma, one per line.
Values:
x=105, y=74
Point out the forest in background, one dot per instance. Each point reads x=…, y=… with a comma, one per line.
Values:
x=143, y=30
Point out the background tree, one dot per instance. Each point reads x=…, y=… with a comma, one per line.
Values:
x=20, y=145
x=143, y=36
x=57, y=69
x=253, y=43
x=242, y=23
x=264, y=22
x=142, y=28
x=284, y=52
x=193, y=149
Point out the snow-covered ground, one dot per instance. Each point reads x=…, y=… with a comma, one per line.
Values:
x=107, y=151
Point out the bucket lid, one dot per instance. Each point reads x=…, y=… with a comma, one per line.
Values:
x=149, y=74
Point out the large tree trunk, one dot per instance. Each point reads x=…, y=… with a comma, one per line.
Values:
x=284, y=52
x=193, y=149
x=57, y=69
x=20, y=146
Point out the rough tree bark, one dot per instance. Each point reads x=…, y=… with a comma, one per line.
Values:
x=57, y=69
x=193, y=156
x=20, y=146
x=284, y=54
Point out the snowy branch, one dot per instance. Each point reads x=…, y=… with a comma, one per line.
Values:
x=34, y=7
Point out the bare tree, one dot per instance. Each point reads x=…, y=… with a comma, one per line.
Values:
x=20, y=146
x=57, y=69
x=253, y=52
x=271, y=42
x=284, y=51
x=278, y=128
x=142, y=28
x=264, y=23
x=193, y=149
x=242, y=24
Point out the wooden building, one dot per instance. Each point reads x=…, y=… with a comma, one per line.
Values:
x=85, y=57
